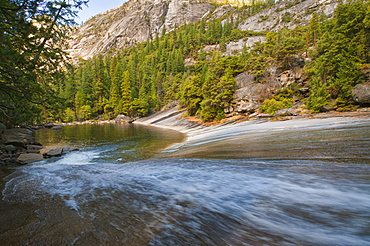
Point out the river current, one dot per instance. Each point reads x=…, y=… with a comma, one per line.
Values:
x=278, y=184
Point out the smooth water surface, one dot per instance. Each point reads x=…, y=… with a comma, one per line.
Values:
x=115, y=143
x=99, y=197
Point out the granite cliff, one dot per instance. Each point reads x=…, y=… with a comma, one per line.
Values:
x=141, y=20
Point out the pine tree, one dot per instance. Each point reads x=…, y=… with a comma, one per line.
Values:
x=340, y=52
x=191, y=94
x=126, y=93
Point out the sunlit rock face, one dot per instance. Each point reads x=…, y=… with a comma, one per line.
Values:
x=132, y=23
x=142, y=20
x=287, y=14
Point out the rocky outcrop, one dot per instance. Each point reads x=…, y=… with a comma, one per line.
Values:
x=251, y=93
x=236, y=48
x=287, y=14
x=28, y=158
x=249, y=97
x=11, y=137
x=19, y=146
x=142, y=20
x=55, y=151
x=134, y=22
x=15, y=142
x=124, y=119
x=361, y=93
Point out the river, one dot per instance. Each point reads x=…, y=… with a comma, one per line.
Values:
x=274, y=183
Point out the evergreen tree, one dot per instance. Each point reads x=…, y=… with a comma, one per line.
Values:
x=191, y=94
x=218, y=91
x=31, y=60
x=125, y=93
x=340, y=52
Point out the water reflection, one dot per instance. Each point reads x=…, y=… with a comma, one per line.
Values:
x=113, y=142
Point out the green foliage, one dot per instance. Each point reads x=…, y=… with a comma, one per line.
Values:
x=341, y=49
x=139, y=107
x=286, y=17
x=31, y=60
x=270, y=106
x=218, y=91
x=319, y=95
x=191, y=94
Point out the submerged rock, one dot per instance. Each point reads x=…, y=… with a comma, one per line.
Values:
x=55, y=151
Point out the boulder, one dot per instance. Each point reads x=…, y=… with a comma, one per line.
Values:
x=28, y=158
x=10, y=149
x=256, y=92
x=124, y=118
x=327, y=109
x=244, y=79
x=2, y=126
x=11, y=137
x=246, y=107
x=364, y=110
x=361, y=93
x=54, y=152
x=34, y=148
x=264, y=115
x=286, y=112
x=57, y=127
x=26, y=135
x=67, y=149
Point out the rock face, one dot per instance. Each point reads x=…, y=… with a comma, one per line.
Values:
x=134, y=22
x=251, y=93
x=287, y=14
x=233, y=48
x=141, y=20
x=361, y=93
x=250, y=96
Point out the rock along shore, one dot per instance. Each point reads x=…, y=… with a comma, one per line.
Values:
x=18, y=146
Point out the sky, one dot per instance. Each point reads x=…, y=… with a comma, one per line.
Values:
x=97, y=6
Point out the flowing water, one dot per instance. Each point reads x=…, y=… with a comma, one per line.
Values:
x=231, y=187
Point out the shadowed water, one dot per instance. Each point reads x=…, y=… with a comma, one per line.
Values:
x=92, y=198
